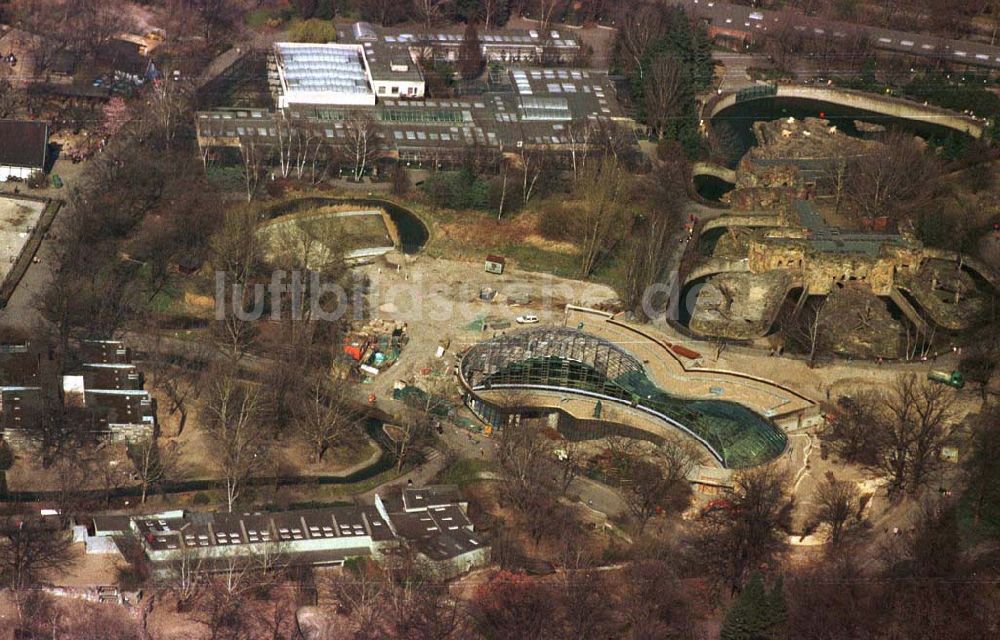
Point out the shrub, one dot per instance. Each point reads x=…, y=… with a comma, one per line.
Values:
x=458, y=190
x=312, y=30
x=38, y=180
x=201, y=498
x=555, y=221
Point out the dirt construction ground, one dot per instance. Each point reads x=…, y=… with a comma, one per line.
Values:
x=17, y=217
x=440, y=301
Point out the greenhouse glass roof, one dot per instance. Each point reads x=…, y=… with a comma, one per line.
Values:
x=570, y=360
x=322, y=67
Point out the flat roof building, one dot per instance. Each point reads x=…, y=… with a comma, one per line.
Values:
x=499, y=45
x=105, y=386
x=326, y=536
x=322, y=74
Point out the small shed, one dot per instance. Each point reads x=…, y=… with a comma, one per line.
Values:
x=495, y=264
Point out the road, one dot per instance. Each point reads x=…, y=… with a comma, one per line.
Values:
x=729, y=16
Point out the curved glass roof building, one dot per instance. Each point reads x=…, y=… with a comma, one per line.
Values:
x=575, y=362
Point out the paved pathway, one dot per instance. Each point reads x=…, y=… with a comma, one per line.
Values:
x=668, y=372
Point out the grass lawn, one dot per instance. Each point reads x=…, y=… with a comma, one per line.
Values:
x=168, y=301
x=259, y=17
x=464, y=471
x=972, y=532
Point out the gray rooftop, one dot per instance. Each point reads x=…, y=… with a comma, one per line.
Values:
x=205, y=529
x=537, y=107
x=322, y=67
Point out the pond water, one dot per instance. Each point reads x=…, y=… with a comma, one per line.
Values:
x=712, y=188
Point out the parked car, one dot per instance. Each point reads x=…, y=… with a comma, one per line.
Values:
x=527, y=319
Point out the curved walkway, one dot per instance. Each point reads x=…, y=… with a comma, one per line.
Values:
x=679, y=374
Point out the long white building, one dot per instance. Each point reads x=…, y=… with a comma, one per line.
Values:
x=343, y=74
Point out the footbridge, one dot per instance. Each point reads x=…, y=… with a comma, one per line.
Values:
x=715, y=170
x=749, y=220
x=884, y=105
x=714, y=266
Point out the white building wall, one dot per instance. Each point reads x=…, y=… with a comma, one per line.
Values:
x=6, y=172
x=325, y=98
x=284, y=547
x=404, y=88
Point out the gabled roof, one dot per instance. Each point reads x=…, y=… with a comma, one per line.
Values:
x=23, y=143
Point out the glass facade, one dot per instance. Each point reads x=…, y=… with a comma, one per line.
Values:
x=573, y=361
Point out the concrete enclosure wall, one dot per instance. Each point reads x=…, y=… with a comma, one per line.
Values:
x=869, y=102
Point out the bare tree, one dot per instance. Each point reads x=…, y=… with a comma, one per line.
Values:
x=361, y=591
x=640, y=26
x=850, y=430
x=648, y=491
x=912, y=431
x=489, y=10
x=361, y=143
x=325, y=417
x=237, y=253
x=62, y=430
x=809, y=328
x=382, y=12
x=526, y=461
x=168, y=373
x=570, y=457
x=430, y=10
x=982, y=464
x=892, y=181
x=659, y=484
x=232, y=425
x=533, y=163
x=98, y=21
x=837, y=501
x=153, y=464
x=647, y=250
x=652, y=601
x=785, y=47
x=738, y=540
x=603, y=211
x=187, y=577
x=547, y=12
x=835, y=173
x=29, y=551
x=663, y=94
x=424, y=412
x=10, y=99
x=255, y=154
